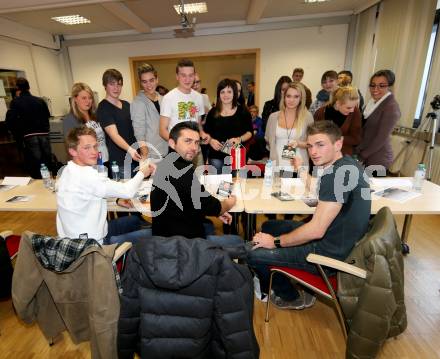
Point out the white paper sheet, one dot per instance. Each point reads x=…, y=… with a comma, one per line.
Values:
x=16, y=181
x=391, y=182
x=396, y=194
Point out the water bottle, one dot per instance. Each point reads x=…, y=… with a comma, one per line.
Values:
x=419, y=177
x=102, y=170
x=268, y=173
x=45, y=175
x=99, y=162
x=115, y=171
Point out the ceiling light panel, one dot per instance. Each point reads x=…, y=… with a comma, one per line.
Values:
x=192, y=8
x=71, y=20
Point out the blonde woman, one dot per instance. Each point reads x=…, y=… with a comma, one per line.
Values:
x=287, y=127
x=82, y=112
x=343, y=110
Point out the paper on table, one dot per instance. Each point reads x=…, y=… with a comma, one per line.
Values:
x=391, y=182
x=215, y=179
x=397, y=194
x=16, y=181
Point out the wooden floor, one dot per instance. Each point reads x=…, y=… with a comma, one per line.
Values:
x=311, y=333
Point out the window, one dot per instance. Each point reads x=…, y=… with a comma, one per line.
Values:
x=422, y=100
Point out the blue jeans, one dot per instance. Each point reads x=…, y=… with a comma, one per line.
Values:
x=126, y=229
x=219, y=165
x=293, y=257
x=225, y=240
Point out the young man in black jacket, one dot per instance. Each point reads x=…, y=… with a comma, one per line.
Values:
x=179, y=203
x=28, y=117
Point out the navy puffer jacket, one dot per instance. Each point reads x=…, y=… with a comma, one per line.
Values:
x=185, y=298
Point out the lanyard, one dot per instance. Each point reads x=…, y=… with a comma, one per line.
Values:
x=287, y=129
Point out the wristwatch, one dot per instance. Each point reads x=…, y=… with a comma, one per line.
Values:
x=277, y=242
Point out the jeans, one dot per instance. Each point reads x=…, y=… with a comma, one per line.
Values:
x=225, y=240
x=126, y=229
x=293, y=257
x=37, y=151
x=219, y=165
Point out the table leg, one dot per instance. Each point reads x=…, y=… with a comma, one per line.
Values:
x=405, y=233
x=249, y=226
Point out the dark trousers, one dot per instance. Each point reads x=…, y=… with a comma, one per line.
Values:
x=37, y=151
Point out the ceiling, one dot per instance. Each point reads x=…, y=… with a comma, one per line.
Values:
x=150, y=16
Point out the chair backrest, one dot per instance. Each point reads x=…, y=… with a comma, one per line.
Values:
x=374, y=308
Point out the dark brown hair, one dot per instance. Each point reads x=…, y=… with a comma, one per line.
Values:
x=111, y=75
x=328, y=128
x=184, y=63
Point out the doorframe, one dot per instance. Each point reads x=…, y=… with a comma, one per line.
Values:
x=146, y=58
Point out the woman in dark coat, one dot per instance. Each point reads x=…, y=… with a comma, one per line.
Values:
x=381, y=115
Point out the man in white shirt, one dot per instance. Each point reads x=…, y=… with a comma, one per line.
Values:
x=182, y=103
x=82, y=194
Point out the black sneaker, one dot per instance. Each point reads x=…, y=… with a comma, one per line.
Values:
x=296, y=304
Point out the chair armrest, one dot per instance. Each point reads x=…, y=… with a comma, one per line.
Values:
x=336, y=264
x=5, y=234
x=121, y=250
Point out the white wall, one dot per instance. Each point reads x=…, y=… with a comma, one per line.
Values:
x=41, y=67
x=316, y=49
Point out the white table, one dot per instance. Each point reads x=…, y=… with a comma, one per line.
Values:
x=257, y=199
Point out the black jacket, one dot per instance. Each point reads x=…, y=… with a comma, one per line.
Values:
x=185, y=298
x=178, y=201
x=28, y=114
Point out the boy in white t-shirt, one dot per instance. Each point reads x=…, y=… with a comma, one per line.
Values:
x=182, y=103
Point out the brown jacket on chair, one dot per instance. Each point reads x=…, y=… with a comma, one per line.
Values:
x=374, y=307
x=83, y=299
x=351, y=129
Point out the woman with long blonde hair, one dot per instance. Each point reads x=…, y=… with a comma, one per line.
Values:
x=343, y=110
x=82, y=112
x=287, y=127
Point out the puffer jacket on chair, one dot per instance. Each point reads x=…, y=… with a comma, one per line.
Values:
x=185, y=298
x=374, y=307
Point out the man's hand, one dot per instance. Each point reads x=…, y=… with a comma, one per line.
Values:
x=296, y=162
x=216, y=145
x=231, y=200
x=134, y=154
x=263, y=240
x=147, y=168
x=126, y=203
x=226, y=218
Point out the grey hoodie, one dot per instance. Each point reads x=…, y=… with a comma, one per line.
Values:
x=146, y=125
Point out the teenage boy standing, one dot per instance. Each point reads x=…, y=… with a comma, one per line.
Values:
x=114, y=116
x=182, y=103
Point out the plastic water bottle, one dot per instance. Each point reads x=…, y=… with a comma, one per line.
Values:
x=115, y=171
x=268, y=174
x=45, y=175
x=102, y=170
x=419, y=177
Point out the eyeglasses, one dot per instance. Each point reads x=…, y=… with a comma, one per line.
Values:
x=382, y=86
